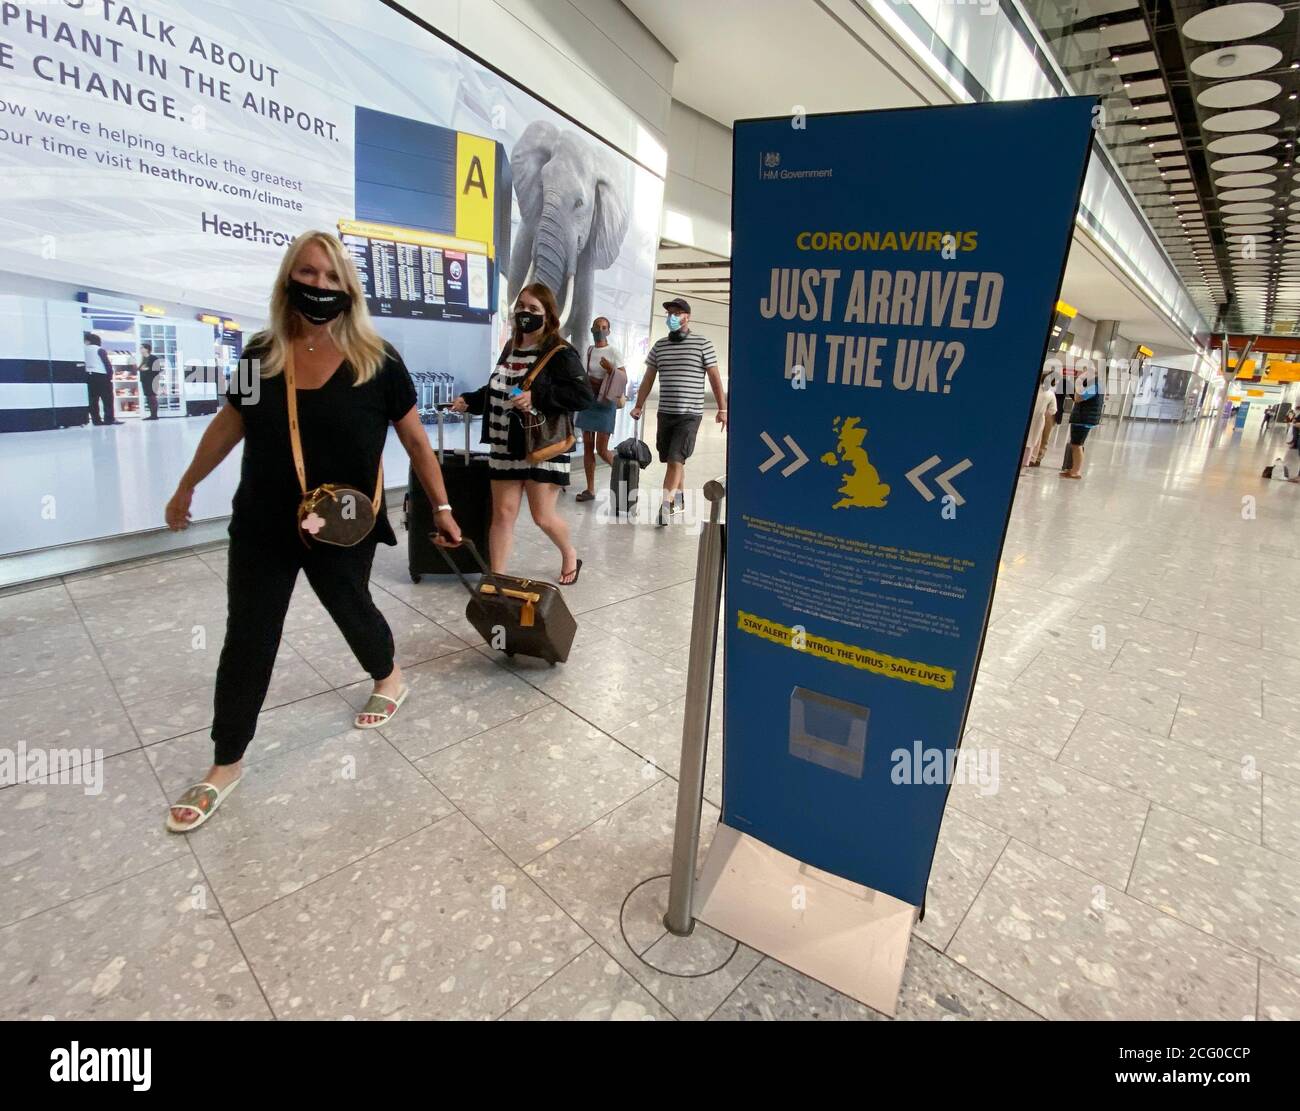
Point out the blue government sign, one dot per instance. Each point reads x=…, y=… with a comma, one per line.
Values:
x=894, y=277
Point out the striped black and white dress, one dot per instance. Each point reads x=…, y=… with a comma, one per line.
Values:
x=508, y=374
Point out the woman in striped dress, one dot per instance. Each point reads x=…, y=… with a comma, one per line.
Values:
x=561, y=387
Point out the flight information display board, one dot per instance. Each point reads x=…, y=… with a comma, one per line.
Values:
x=420, y=275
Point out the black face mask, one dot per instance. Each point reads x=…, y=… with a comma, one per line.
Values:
x=319, y=306
x=599, y=334
x=527, y=321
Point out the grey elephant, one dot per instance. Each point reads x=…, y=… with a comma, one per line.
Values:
x=573, y=203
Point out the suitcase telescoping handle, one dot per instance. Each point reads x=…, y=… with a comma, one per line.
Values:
x=465, y=542
x=469, y=451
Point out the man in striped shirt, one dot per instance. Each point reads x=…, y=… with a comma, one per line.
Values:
x=682, y=361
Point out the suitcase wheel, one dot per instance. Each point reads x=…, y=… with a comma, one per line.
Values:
x=510, y=655
x=415, y=578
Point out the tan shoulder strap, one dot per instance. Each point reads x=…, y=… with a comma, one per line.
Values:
x=537, y=366
x=295, y=439
x=291, y=396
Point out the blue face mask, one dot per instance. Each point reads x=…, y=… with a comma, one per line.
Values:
x=674, y=322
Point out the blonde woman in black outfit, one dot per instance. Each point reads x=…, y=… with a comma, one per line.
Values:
x=560, y=387
x=349, y=386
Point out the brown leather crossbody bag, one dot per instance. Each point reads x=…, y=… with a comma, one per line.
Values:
x=545, y=437
x=331, y=513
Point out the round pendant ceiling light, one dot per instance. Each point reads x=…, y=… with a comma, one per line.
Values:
x=1245, y=143
x=1238, y=94
x=1247, y=206
x=1245, y=181
x=1240, y=162
x=1243, y=119
x=1235, y=61
x=1229, y=22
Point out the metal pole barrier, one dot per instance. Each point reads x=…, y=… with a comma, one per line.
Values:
x=695, y=725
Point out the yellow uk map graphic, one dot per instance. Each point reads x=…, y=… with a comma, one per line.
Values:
x=861, y=487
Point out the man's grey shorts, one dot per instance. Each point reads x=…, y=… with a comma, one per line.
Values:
x=675, y=436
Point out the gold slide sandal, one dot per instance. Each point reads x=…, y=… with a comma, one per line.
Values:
x=380, y=706
x=202, y=799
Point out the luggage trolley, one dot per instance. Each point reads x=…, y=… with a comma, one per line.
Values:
x=425, y=396
x=444, y=386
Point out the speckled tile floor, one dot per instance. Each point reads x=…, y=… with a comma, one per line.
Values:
x=499, y=852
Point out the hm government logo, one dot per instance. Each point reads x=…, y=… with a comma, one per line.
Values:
x=769, y=169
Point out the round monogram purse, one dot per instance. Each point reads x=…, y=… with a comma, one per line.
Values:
x=330, y=513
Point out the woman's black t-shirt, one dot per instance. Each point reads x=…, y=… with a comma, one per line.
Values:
x=343, y=428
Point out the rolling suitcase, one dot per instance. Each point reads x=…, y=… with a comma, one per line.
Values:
x=469, y=493
x=516, y=616
x=625, y=475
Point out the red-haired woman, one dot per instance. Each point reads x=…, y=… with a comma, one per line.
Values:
x=561, y=387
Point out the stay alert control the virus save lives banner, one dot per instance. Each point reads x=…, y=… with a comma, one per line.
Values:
x=893, y=281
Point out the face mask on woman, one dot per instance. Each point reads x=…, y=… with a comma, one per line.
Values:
x=528, y=322
x=317, y=305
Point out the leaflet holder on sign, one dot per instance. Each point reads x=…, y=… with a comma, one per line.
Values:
x=827, y=731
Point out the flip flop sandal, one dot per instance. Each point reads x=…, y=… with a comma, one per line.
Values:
x=576, y=572
x=203, y=799
x=586, y=495
x=380, y=706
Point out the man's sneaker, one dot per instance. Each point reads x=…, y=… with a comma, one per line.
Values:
x=666, y=510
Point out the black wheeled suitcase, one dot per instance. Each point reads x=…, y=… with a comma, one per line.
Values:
x=630, y=457
x=516, y=616
x=469, y=493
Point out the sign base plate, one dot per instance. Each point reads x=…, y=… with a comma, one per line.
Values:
x=847, y=936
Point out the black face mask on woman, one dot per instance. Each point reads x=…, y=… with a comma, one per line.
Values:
x=319, y=306
x=527, y=321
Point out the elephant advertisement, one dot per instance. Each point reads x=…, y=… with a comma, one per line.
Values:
x=573, y=204
x=450, y=183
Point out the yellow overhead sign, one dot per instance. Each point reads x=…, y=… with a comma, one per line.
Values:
x=476, y=171
x=1281, y=370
